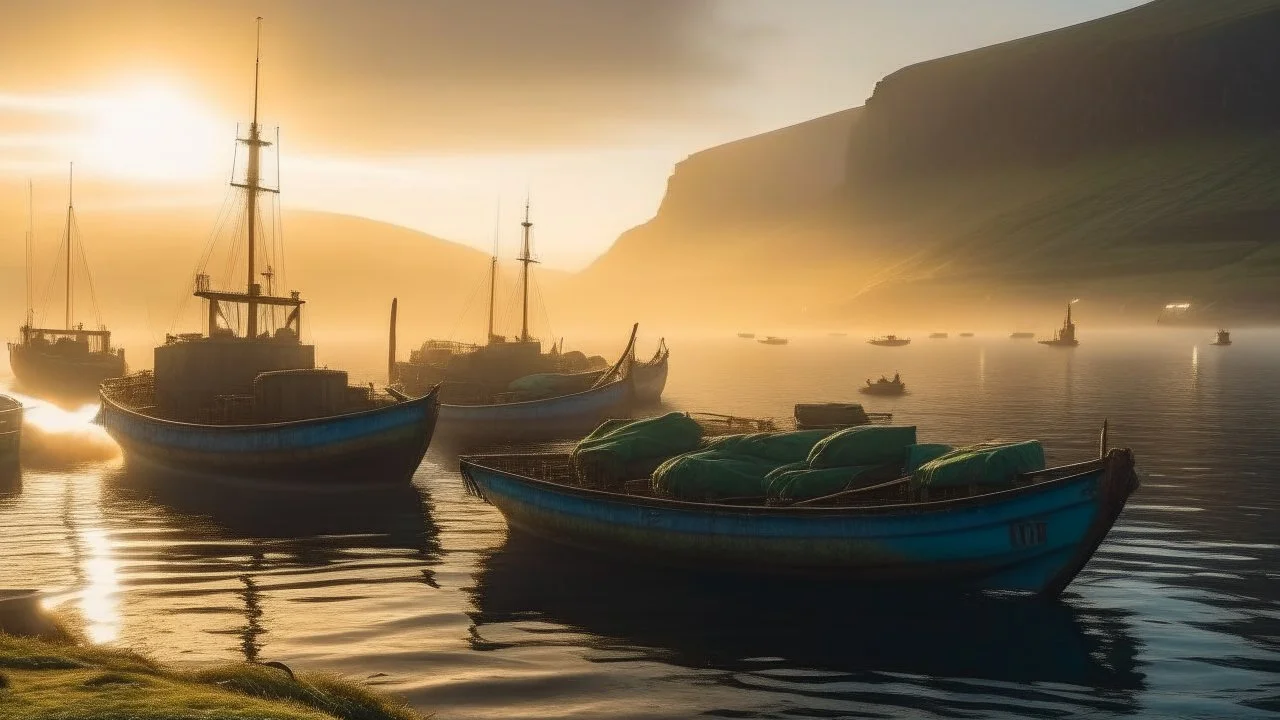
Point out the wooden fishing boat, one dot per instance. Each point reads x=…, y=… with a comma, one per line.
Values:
x=10, y=432
x=1031, y=538
x=470, y=373
x=885, y=386
x=1066, y=336
x=612, y=395
x=649, y=378
x=1224, y=338
x=251, y=403
x=938, y=336
x=966, y=334
x=771, y=340
x=890, y=341
x=68, y=362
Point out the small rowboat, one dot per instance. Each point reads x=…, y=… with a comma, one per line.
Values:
x=1031, y=538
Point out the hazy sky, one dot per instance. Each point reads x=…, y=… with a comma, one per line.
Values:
x=426, y=112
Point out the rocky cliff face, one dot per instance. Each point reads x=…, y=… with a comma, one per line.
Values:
x=1169, y=69
x=1135, y=157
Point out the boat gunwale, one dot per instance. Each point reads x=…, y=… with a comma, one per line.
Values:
x=229, y=428
x=1075, y=472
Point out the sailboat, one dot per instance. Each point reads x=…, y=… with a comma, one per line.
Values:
x=509, y=387
x=71, y=361
x=1065, y=337
x=252, y=403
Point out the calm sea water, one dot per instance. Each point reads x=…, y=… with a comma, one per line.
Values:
x=418, y=590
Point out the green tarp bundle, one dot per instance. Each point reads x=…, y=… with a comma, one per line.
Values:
x=620, y=450
x=804, y=484
x=985, y=464
x=918, y=455
x=712, y=475
x=863, y=445
x=781, y=447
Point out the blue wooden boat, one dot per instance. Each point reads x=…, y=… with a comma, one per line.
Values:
x=612, y=395
x=1031, y=538
x=380, y=444
x=10, y=432
x=539, y=419
x=248, y=402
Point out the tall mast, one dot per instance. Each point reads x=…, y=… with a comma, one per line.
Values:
x=70, y=181
x=251, y=188
x=525, y=259
x=493, y=271
x=31, y=233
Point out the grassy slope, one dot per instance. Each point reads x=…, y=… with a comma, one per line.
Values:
x=41, y=679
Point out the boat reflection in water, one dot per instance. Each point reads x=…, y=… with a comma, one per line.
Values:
x=277, y=545
x=699, y=621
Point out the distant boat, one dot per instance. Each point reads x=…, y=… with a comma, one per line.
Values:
x=10, y=432
x=1066, y=337
x=747, y=336
x=771, y=340
x=1224, y=338
x=890, y=341
x=938, y=336
x=966, y=334
x=837, y=334
x=1022, y=336
x=884, y=386
x=66, y=362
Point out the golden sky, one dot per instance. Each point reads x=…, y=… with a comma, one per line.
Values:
x=425, y=113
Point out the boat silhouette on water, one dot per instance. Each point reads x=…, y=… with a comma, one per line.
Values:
x=938, y=336
x=1032, y=535
x=1066, y=336
x=67, y=363
x=1022, y=335
x=1224, y=338
x=885, y=386
x=747, y=335
x=251, y=403
x=890, y=341
x=772, y=340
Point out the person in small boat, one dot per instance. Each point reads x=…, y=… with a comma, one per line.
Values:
x=897, y=380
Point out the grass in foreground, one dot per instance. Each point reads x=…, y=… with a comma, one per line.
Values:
x=67, y=681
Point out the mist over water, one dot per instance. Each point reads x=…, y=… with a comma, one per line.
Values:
x=418, y=590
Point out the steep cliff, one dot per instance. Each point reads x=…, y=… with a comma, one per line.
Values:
x=1135, y=158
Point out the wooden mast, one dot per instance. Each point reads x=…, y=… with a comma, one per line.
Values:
x=251, y=188
x=70, y=181
x=525, y=259
x=31, y=234
x=493, y=271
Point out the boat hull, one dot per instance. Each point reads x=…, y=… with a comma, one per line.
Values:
x=384, y=445
x=1033, y=539
x=649, y=380
x=538, y=419
x=50, y=374
x=10, y=433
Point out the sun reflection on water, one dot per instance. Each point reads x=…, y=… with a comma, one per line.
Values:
x=99, y=604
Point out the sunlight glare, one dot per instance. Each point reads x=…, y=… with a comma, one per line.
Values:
x=154, y=131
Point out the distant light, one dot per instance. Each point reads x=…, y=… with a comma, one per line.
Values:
x=1177, y=306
